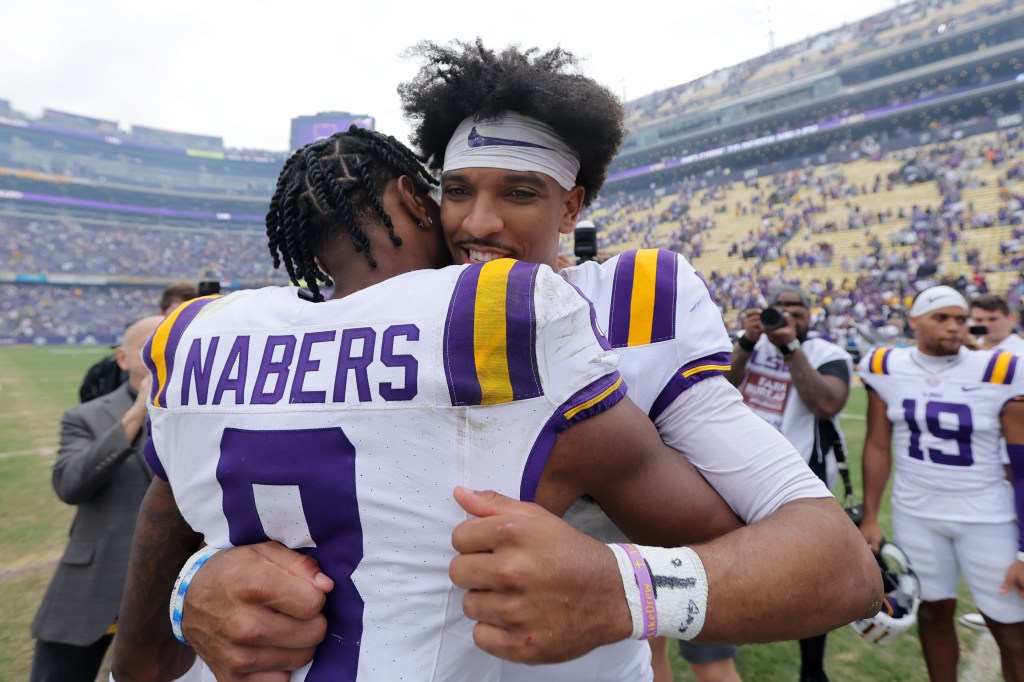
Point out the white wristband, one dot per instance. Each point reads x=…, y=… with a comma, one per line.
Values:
x=1020, y=556
x=680, y=590
x=177, y=605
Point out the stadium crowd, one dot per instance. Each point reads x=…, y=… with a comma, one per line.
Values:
x=71, y=314
x=796, y=219
x=70, y=248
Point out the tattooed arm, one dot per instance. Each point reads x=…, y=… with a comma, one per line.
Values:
x=145, y=649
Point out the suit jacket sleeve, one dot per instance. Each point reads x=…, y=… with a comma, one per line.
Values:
x=87, y=460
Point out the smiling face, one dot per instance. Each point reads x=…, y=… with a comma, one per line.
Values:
x=490, y=213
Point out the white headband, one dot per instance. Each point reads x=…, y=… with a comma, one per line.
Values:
x=512, y=142
x=935, y=298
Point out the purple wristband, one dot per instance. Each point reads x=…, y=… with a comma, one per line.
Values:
x=646, y=587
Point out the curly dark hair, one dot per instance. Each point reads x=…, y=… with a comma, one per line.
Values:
x=464, y=79
x=333, y=187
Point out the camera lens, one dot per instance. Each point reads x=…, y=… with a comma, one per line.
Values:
x=772, y=318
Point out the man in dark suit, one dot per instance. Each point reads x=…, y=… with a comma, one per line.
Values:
x=101, y=470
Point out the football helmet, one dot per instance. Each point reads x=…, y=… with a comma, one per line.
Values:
x=902, y=597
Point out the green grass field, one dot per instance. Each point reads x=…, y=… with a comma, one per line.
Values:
x=38, y=384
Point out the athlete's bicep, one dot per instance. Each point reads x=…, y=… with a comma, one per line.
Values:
x=747, y=461
x=648, y=489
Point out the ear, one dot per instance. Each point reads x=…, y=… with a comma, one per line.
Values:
x=417, y=204
x=323, y=268
x=572, y=205
x=121, y=357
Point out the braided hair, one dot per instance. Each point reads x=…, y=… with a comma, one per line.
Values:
x=331, y=188
x=463, y=79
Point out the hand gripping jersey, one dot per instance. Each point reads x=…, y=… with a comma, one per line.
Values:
x=946, y=429
x=341, y=428
x=662, y=321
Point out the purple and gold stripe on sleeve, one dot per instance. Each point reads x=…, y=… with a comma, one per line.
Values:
x=879, y=362
x=490, y=347
x=588, y=402
x=688, y=375
x=1001, y=368
x=158, y=353
x=643, y=298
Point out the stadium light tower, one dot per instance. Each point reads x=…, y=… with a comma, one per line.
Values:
x=768, y=21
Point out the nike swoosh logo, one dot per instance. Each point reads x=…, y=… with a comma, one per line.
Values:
x=971, y=388
x=475, y=139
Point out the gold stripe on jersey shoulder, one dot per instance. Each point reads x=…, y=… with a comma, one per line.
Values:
x=879, y=363
x=490, y=335
x=1000, y=369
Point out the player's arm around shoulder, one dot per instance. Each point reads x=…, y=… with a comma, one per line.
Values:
x=653, y=493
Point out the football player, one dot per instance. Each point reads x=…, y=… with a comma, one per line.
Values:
x=937, y=410
x=341, y=427
x=511, y=184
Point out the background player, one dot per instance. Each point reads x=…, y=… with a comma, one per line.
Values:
x=384, y=532
x=491, y=207
x=942, y=409
x=100, y=470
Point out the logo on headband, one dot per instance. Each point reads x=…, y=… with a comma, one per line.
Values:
x=475, y=139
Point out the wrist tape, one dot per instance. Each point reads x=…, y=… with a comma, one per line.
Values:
x=666, y=589
x=177, y=605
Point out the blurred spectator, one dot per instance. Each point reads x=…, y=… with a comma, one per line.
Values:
x=101, y=470
x=993, y=313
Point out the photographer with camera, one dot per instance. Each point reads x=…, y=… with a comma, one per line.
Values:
x=798, y=385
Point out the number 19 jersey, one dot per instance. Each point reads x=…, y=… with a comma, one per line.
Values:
x=946, y=430
x=341, y=428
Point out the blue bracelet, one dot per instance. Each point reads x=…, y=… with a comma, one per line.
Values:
x=194, y=563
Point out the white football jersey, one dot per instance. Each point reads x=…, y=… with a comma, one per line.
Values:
x=946, y=430
x=660, y=317
x=1012, y=344
x=341, y=428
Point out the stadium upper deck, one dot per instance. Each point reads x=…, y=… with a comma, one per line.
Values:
x=917, y=68
x=90, y=211
x=68, y=165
